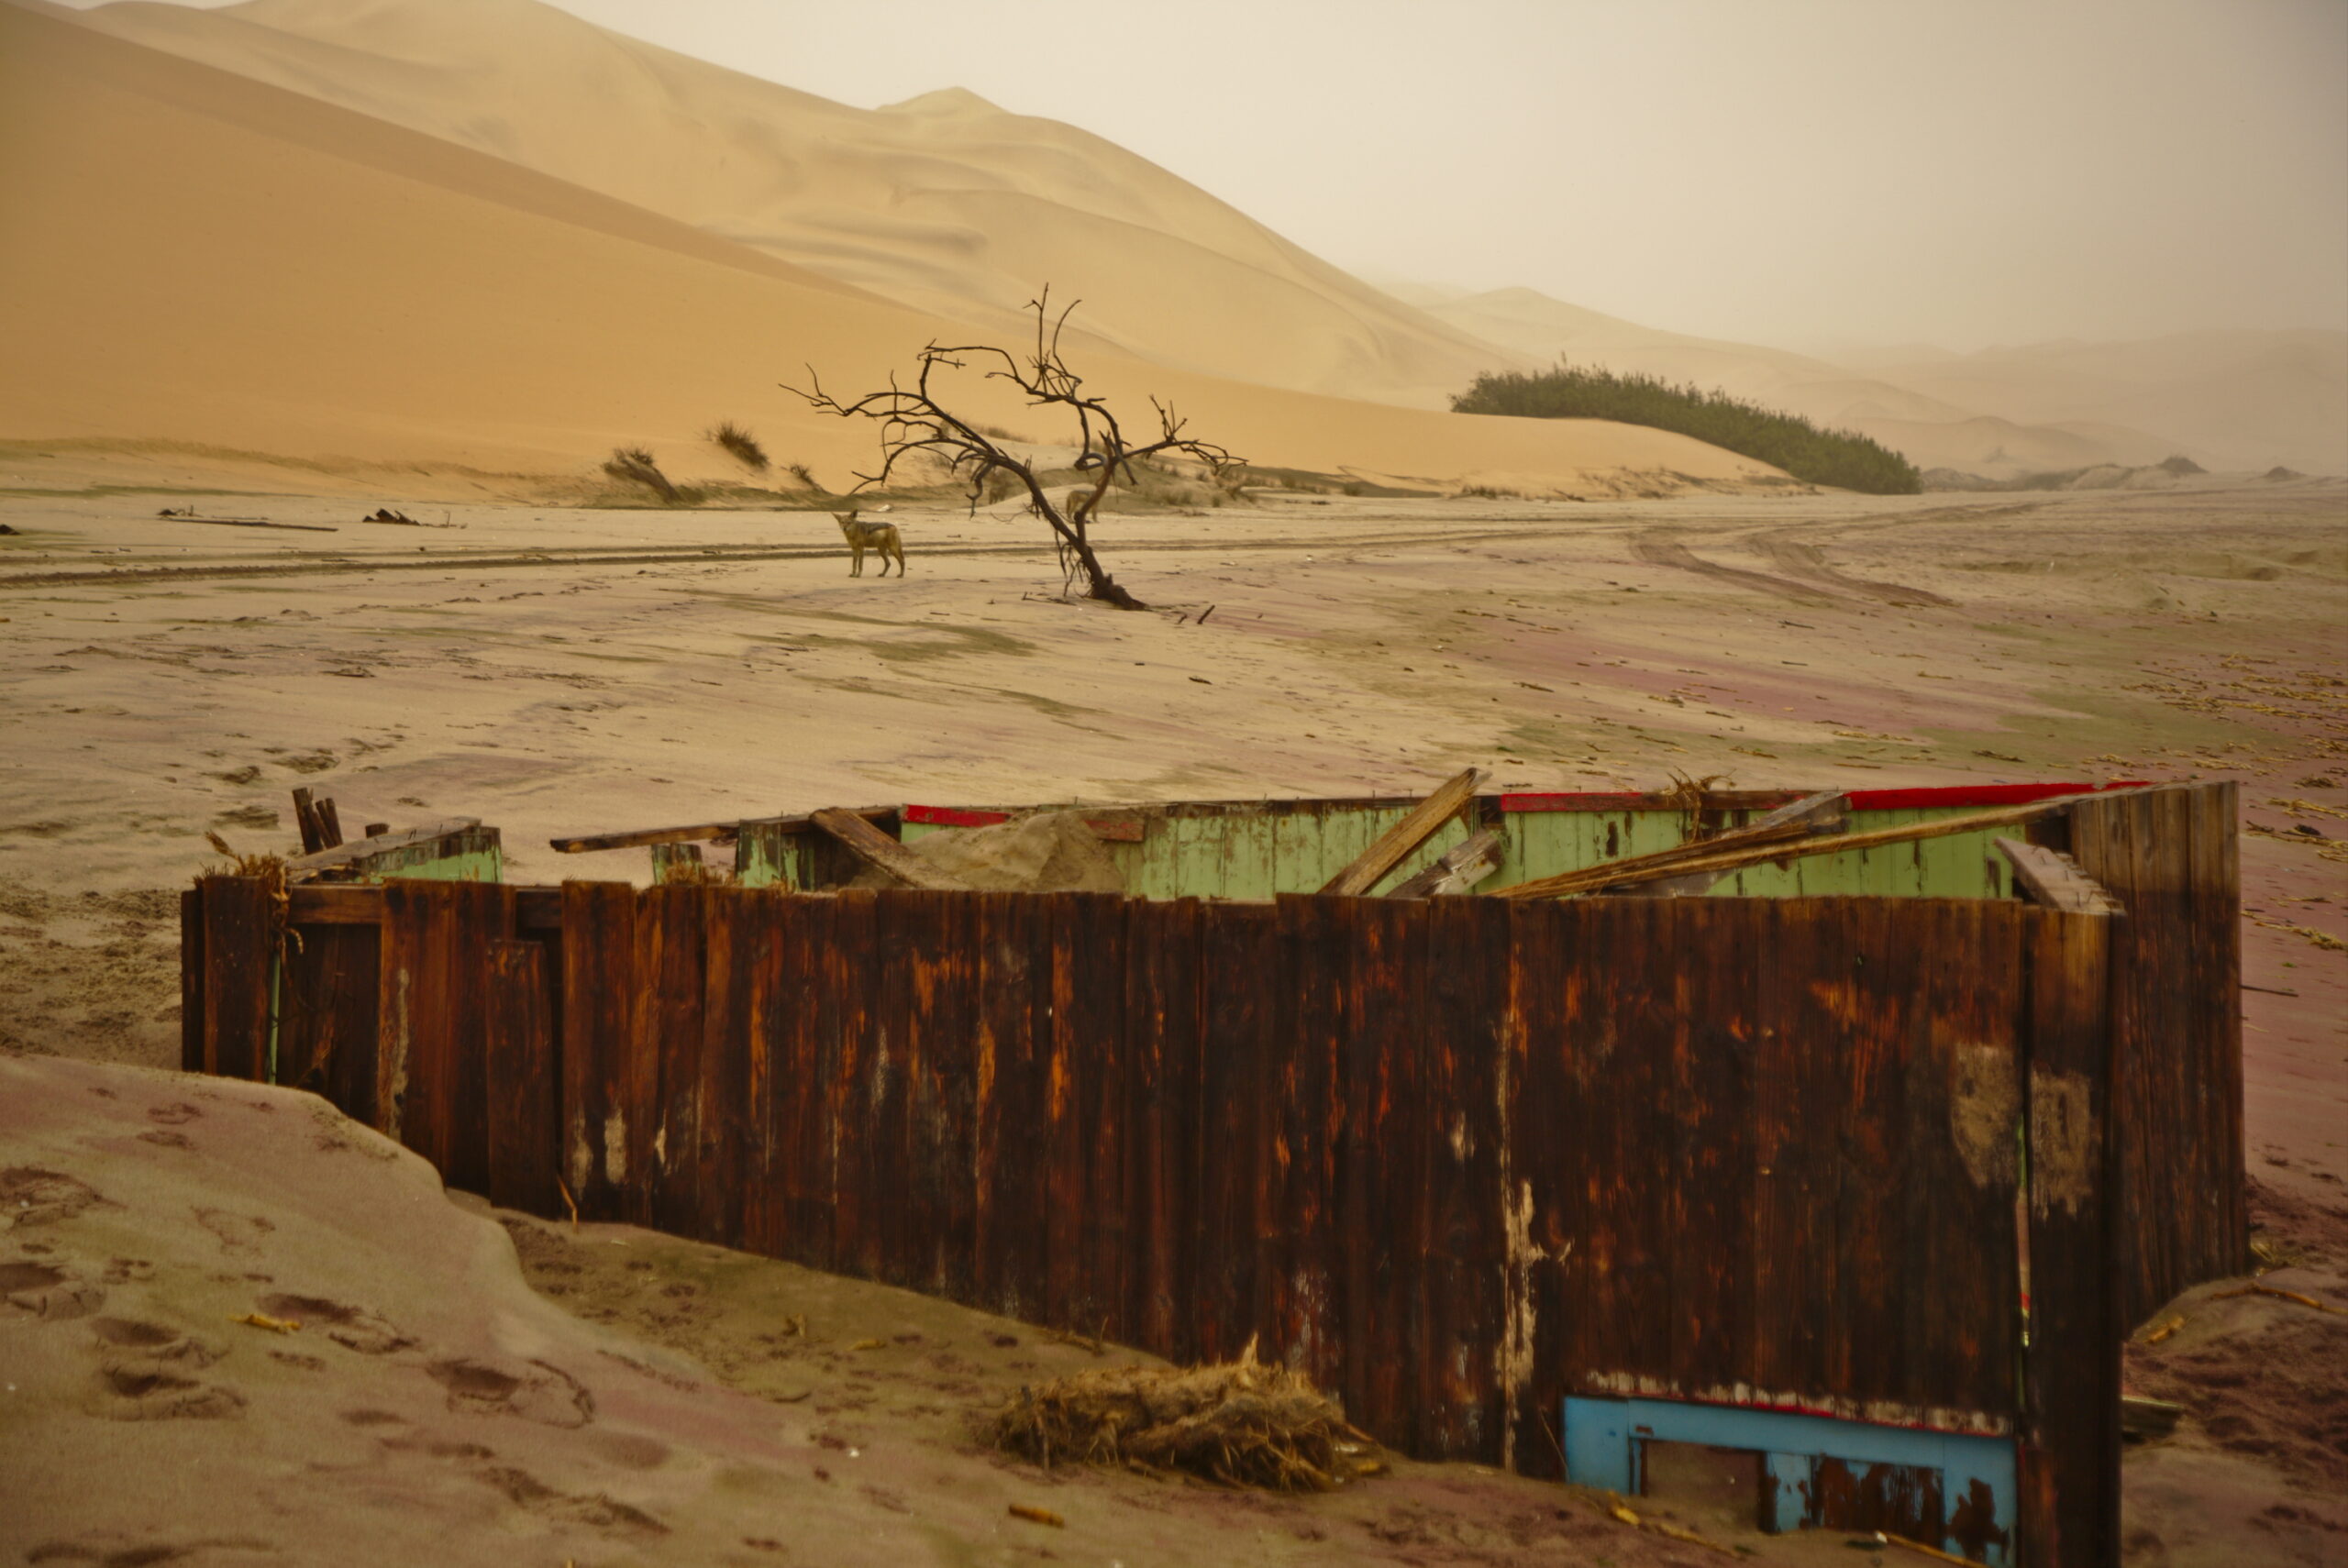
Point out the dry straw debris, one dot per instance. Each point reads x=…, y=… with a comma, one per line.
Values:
x=1238, y=1424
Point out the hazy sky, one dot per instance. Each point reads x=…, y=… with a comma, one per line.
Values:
x=1808, y=172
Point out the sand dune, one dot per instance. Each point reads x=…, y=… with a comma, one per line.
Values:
x=943, y=202
x=2230, y=400
x=219, y=260
x=1930, y=415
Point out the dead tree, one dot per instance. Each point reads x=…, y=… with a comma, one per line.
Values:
x=914, y=424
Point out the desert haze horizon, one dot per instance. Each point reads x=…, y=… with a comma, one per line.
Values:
x=1535, y=782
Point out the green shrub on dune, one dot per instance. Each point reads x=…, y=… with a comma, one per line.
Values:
x=1838, y=458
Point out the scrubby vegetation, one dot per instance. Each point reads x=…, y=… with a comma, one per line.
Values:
x=741, y=446
x=1838, y=458
x=633, y=465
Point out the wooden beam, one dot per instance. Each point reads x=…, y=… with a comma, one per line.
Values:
x=696, y=832
x=1397, y=842
x=306, y=821
x=872, y=846
x=2046, y=876
x=1621, y=873
x=1790, y=823
x=1457, y=870
x=1829, y=810
x=329, y=824
x=366, y=848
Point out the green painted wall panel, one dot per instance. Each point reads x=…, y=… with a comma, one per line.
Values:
x=1249, y=853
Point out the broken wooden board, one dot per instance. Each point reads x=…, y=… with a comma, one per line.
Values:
x=1711, y=856
x=876, y=848
x=1396, y=842
x=693, y=833
x=1456, y=871
x=347, y=854
x=2050, y=877
x=1829, y=810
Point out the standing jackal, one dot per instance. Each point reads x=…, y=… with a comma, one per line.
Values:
x=880, y=536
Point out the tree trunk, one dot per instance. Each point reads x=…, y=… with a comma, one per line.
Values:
x=1099, y=584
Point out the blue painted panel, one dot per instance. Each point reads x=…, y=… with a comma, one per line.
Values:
x=1603, y=1439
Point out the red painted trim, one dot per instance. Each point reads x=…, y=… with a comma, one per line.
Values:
x=1861, y=799
x=1977, y=795
x=952, y=816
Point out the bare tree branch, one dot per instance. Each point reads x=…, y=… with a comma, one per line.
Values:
x=913, y=421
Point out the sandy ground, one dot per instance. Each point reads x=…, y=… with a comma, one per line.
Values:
x=561, y=671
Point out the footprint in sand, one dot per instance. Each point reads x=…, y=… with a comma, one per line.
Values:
x=353, y=1328
x=534, y=1390
x=147, y=1372
x=30, y=1196
x=47, y=1291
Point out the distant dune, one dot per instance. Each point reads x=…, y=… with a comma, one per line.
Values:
x=945, y=203
x=193, y=256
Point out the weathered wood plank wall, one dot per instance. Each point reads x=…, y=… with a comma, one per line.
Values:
x=1455, y=1158
x=2172, y=858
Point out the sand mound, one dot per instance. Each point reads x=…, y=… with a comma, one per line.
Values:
x=1240, y=1424
x=1043, y=852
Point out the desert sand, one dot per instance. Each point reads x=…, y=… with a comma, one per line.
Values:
x=557, y=671
x=281, y=264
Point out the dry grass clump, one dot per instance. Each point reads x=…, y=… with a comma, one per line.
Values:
x=633, y=465
x=741, y=446
x=805, y=477
x=1238, y=1424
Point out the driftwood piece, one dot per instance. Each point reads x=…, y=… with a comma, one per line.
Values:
x=2047, y=877
x=1456, y=871
x=1404, y=836
x=872, y=846
x=1712, y=857
x=329, y=824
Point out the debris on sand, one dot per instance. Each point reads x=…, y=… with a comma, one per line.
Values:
x=1237, y=1424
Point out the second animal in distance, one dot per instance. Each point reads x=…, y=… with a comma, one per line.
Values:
x=880, y=536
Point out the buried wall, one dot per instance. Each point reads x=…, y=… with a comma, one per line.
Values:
x=1457, y=1159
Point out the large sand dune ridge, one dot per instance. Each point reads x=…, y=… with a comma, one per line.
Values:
x=217, y=260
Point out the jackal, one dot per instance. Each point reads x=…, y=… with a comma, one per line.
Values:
x=880, y=536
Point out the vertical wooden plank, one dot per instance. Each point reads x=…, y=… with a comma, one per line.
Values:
x=1537, y=1143
x=328, y=1014
x=433, y=1020
x=939, y=1117
x=1780, y=1317
x=803, y=1070
x=1318, y=936
x=1714, y=952
x=1238, y=946
x=192, y=979
x=237, y=947
x=524, y=1133
x=720, y=1090
x=2217, y=920
x=660, y=1076
x=598, y=939
x=2070, y=1501
x=1096, y=1027
x=850, y=962
x=1011, y=1085
x=1161, y=1088
x=765, y=1036
x=1382, y=1174
x=887, y=1243
x=1465, y=1252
